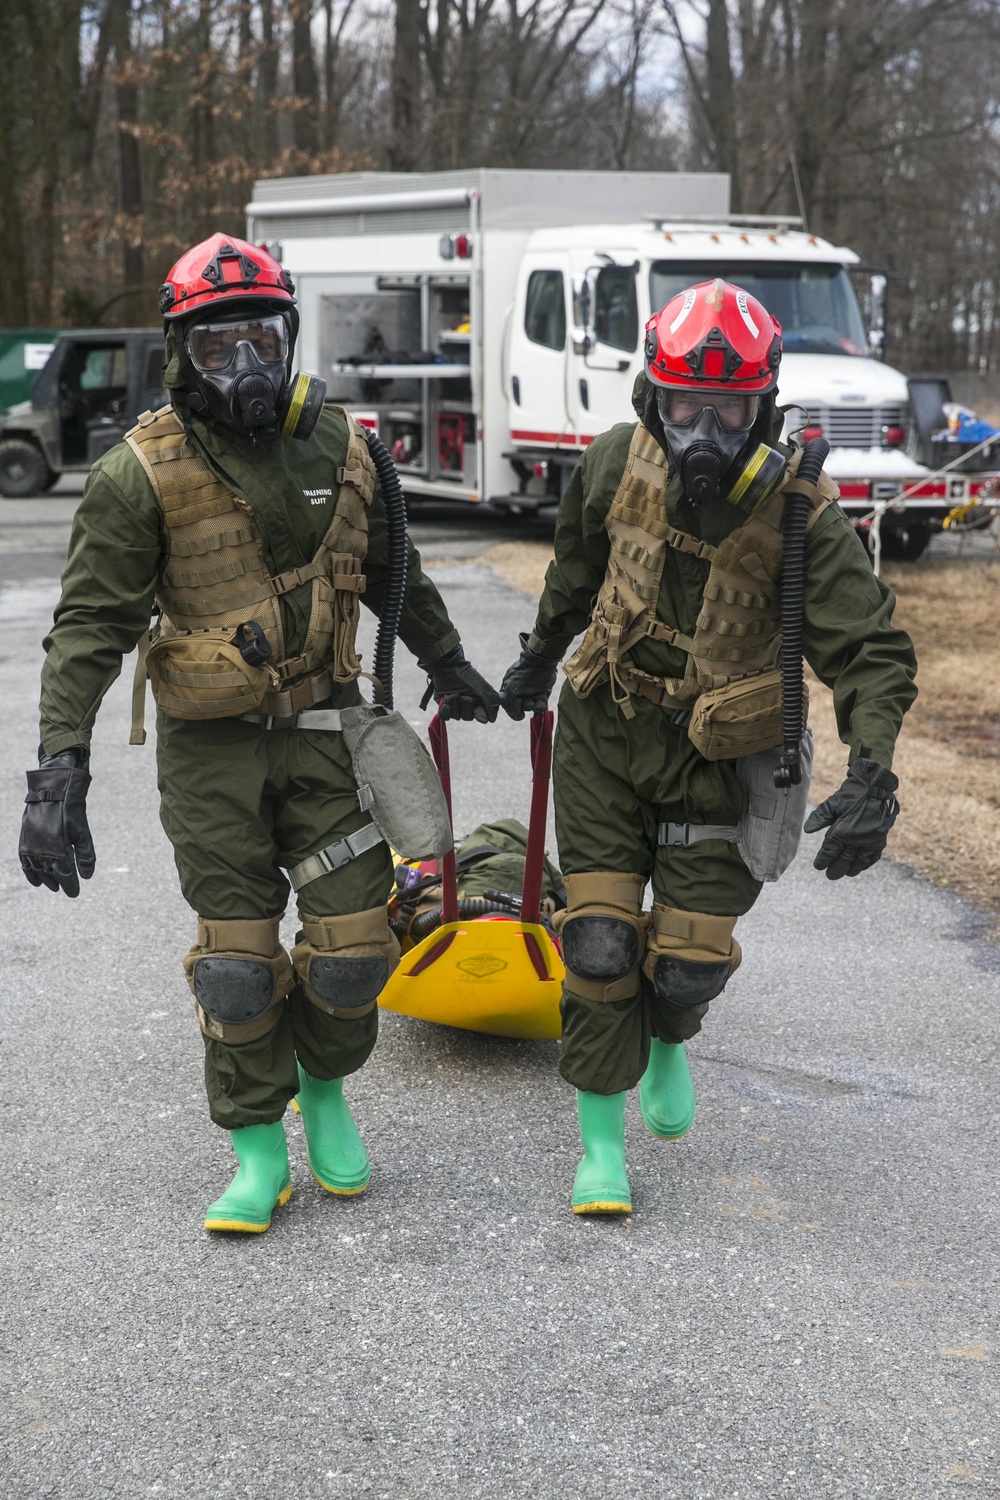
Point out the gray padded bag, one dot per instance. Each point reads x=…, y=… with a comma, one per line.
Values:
x=770, y=826
x=397, y=781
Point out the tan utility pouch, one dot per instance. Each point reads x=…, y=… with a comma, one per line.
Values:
x=200, y=674
x=740, y=718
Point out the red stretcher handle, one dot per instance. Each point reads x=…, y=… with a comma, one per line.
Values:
x=449, y=881
x=541, y=770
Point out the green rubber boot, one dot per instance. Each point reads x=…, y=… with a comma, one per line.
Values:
x=601, y=1185
x=666, y=1093
x=261, y=1184
x=336, y=1153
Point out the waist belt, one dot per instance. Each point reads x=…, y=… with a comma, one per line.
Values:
x=310, y=718
x=683, y=835
x=334, y=856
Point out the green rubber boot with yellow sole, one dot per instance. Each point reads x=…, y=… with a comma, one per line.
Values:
x=601, y=1185
x=335, y=1150
x=261, y=1184
x=666, y=1093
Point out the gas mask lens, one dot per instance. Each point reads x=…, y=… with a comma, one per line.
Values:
x=734, y=413
x=213, y=346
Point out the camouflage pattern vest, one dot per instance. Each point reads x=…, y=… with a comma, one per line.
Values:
x=215, y=580
x=731, y=685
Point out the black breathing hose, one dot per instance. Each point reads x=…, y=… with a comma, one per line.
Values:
x=472, y=906
x=793, y=587
x=397, y=548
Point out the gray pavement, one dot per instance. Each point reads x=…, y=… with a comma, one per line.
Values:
x=804, y=1303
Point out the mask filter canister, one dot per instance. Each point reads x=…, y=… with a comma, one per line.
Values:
x=759, y=477
x=302, y=406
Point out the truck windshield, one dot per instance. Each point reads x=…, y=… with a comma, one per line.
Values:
x=815, y=304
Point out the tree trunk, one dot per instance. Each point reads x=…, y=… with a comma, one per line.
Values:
x=405, y=87
x=267, y=84
x=721, y=99
x=304, y=79
x=129, y=162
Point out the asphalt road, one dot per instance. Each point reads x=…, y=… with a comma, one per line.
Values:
x=804, y=1303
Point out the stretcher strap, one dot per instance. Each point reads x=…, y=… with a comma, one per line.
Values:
x=449, y=879
x=541, y=770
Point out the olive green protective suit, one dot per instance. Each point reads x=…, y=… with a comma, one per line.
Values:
x=616, y=779
x=238, y=802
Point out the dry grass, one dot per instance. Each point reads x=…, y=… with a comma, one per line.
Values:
x=948, y=757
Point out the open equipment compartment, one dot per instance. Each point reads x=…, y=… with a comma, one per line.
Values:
x=399, y=346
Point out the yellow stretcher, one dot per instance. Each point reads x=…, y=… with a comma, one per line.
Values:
x=500, y=975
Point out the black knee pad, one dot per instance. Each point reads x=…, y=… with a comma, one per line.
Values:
x=348, y=982
x=600, y=948
x=234, y=990
x=682, y=982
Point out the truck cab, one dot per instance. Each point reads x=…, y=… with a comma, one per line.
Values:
x=584, y=296
x=86, y=397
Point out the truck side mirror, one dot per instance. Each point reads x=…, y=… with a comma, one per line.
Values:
x=877, y=314
x=583, y=303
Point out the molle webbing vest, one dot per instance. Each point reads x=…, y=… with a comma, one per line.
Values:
x=737, y=634
x=216, y=579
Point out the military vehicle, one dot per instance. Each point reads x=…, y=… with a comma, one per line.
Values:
x=94, y=384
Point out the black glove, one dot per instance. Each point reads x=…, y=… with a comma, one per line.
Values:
x=858, y=818
x=461, y=692
x=527, y=682
x=55, y=841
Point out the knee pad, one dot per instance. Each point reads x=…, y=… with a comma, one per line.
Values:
x=690, y=956
x=239, y=975
x=344, y=962
x=602, y=934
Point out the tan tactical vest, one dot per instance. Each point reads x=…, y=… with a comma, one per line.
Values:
x=215, y=579
x=732, y=681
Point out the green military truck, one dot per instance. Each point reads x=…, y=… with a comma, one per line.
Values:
x=85, y=398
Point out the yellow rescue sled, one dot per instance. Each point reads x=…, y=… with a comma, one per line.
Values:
x=497, y=974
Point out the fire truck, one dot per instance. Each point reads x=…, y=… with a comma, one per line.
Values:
x=489, y=324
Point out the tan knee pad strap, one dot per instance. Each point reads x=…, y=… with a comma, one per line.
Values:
x=691, y=935
x=345, y=940
x=605, y=893
x=255, y=941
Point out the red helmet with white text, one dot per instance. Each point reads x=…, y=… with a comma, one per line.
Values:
x=713, y=337
x=710, y=355
x=220, y=273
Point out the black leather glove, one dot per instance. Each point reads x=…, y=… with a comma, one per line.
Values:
x=55, y=847
x=528, y=682
x=857, y=818
x=461, y=691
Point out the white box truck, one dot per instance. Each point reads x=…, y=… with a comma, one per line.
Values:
x=489, y=323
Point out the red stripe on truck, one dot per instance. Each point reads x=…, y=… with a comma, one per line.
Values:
x=566, y=439
x=553, y=439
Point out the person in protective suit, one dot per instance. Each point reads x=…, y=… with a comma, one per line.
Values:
x=668, y=553
x=248, y=515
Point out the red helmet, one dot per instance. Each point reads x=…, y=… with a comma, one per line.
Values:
x=222, y=271
x=713, y=337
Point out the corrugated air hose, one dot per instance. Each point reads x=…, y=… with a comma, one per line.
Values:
x=398, y=550
x=793, y=588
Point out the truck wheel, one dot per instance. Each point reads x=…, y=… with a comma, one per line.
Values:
x=906, y=544
x=23, y=470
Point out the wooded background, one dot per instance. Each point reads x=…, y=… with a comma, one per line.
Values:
x=131, y=128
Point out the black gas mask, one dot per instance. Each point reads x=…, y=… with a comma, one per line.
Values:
x=240, y=366
x=710, y=439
